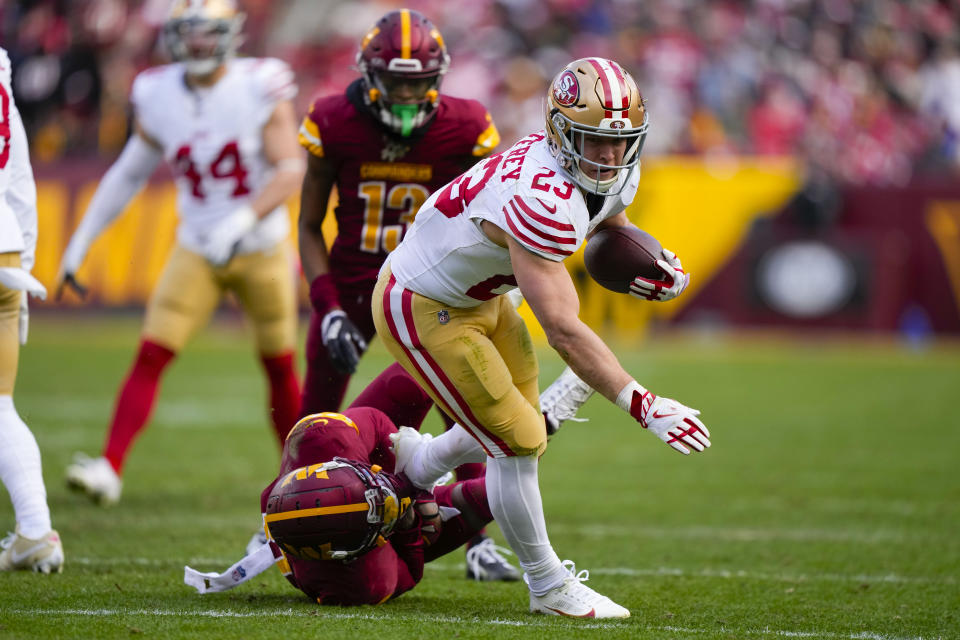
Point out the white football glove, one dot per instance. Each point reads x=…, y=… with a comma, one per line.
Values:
x=343, y=341
x=222, y=240
x=671, y=286
x=515, y=296
x=672, y=422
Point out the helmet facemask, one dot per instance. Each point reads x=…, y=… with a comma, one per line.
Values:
x=202, y=44
x=571, y=157
x=402, y=116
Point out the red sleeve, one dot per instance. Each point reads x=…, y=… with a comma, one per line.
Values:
x=375, y=430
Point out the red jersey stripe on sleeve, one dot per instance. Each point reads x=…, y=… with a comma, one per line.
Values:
x=540, y=232
x=521, y=237
x=528, y=210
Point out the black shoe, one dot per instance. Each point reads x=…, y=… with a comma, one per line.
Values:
x=485, y=562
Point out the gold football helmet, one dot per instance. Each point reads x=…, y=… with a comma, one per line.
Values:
x=203, y=34
x=595, y=97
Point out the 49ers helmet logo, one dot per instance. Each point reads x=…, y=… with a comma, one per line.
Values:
x=566, y=89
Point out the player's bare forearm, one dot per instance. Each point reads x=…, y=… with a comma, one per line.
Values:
x=549, y=291
x=314, y=198
x=284, y=155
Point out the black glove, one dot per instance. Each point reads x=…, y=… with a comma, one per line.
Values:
x=343, y=341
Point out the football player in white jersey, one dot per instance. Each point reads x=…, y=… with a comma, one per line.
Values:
x=509, y=222
x=228, y=130
x=33, y=545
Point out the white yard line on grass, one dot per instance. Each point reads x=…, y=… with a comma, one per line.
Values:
x=273, y=614
x=730, y=574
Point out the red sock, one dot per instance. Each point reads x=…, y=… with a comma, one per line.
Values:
x=136, y=400
x=284, y=393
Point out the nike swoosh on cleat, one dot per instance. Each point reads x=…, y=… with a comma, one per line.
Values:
x=590, y=614
x=18, y=557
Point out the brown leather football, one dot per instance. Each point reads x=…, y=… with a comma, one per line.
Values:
x=614, y=256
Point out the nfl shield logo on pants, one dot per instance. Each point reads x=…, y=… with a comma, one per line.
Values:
x=443, y=316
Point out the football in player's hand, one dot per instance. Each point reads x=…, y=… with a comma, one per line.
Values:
x=614, y=256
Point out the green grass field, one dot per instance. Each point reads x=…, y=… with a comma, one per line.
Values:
x=828, y=506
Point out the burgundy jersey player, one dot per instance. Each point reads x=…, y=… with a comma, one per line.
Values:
x=361, y=433
x=386, y=143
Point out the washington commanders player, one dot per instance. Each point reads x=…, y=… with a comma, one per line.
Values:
x=33, y=545
x=227, y=128
x=510, y=222
x=349, y=567
x=386, y=143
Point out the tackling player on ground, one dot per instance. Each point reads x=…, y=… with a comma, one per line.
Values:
x=510, y=222
x=227, y=129
x=33, y=544
x=386, y=144
x=348, y=548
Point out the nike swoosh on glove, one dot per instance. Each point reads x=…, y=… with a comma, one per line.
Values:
x=672, y=285
x=672, y=422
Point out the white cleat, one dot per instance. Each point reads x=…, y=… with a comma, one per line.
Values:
x=96, y=478
x=407, y=443
x=574, y=599
x=563, y=398
x=485, y=562
x=44, y=555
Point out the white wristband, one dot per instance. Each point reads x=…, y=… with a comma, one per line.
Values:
x=625, y=397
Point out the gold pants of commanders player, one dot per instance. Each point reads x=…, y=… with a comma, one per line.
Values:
x=190, y=289
x=9, y=328
x=478, y=364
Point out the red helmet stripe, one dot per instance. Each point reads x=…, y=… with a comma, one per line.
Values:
x=622, y=81
x=605, y=83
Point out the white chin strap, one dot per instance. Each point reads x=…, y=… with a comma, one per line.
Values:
x=602, y=186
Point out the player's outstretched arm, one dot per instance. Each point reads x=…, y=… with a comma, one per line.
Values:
x=549, y=291
x=119, y=185
x=341, y=338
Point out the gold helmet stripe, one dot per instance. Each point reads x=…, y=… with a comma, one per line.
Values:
x=317, y=511
x=405, y=33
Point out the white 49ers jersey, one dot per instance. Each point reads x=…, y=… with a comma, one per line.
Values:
x=446, y=255
x=212, y=137
x=18, y=196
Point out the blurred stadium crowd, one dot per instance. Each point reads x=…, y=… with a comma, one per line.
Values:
x=864, y=92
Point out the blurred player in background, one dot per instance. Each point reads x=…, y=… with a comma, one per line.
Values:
x=34, y=545
x=386, y=143
x=510, y=222
x=228, y=130
x=355, y=569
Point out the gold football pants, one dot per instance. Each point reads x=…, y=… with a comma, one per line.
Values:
x=9, y=328
x=478, y=364
x=190, y=288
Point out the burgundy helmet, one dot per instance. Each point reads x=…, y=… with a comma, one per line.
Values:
x=403, y=48
x=337, y=510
